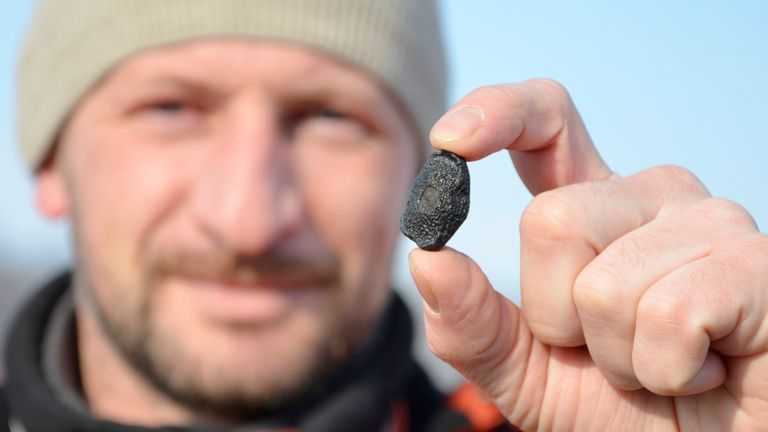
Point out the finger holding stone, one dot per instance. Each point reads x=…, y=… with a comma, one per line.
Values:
x=536, y=120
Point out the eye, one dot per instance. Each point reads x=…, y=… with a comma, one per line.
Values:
x=169, y=107
x=169, y=116
x=314, y=117
x=328, y=113
x=325, y=127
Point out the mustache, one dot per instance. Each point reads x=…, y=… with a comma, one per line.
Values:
x=274, y=267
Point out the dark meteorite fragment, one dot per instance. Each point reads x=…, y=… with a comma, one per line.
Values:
x=439, y=201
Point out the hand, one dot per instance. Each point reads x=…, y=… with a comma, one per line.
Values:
x=644, y=299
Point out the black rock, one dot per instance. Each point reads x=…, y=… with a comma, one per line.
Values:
x=439, y=201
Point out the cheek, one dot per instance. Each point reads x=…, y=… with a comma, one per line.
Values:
x=119, y=191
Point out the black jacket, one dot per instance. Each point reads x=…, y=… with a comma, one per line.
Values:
x=358, y=398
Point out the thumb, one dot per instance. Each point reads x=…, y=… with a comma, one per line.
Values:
x=476, y=330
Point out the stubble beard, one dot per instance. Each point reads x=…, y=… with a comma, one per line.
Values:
x=229, y=393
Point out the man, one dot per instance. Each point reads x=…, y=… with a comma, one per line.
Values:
x=234, y=172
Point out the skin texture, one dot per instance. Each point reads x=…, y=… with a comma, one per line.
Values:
x=234, y=207
x=644, y=299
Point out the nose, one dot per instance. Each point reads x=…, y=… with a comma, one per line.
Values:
x=246, y=200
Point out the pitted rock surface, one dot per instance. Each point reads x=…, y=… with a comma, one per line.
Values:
x=439, y=201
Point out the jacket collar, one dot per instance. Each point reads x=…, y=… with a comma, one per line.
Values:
x=359, y=394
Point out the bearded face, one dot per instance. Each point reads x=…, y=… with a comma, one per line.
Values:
x=234, y=223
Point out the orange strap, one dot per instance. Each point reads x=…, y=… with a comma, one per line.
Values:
x=481, y=413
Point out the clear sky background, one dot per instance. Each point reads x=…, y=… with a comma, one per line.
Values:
x=657, y=82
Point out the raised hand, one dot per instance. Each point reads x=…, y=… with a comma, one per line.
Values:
x=644, y=299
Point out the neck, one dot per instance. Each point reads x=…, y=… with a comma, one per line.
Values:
x=113, y=388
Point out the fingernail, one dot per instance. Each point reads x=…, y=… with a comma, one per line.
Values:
x=457, y=124
x=423, y=285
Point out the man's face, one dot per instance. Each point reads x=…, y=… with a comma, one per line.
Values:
x=234, y=206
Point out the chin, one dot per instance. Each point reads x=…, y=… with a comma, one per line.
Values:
x=208, y=364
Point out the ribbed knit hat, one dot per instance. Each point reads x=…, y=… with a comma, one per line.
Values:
x=70, y=44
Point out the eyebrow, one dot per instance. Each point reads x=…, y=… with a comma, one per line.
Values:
x=319, y=89
x=312, y=89
x=180, y=83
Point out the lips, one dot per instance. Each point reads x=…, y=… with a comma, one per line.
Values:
x=247, y=301
x=241, y=290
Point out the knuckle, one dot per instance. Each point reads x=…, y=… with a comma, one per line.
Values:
x=755, y=246
x=660, y=314
x=655, y=308
x=551, y=87
x=679, y=178
x=725, y=213
x=597, y=293
x=671, y=339
x=556, y=93
x=744, y=256
x=551, y=216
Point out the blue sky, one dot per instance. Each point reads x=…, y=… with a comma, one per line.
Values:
x=657, y=82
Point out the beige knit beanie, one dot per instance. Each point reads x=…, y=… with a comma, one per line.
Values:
x=70, y=44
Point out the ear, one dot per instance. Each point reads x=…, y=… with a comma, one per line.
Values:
x=50, y=192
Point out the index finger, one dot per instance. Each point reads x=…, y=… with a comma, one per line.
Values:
x=536, y=121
